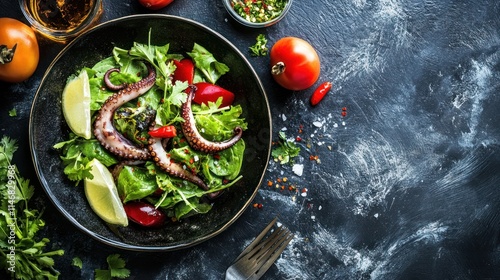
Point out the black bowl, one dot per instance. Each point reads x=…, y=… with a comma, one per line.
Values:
x=47, y=127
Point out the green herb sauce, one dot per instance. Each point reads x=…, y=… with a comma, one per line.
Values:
x=259, y=11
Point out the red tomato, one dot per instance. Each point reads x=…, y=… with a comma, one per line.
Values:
x=295, y=63
x=206, y=92
x=155, y=4
x=144, y=214
x=184, y=70
x=25, y=59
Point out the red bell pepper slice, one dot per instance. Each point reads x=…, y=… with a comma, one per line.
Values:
x=166, y=131
x=144, y=214
x=206, y=92
x=184, y=71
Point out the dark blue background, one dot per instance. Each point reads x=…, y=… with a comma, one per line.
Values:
x=407, y=184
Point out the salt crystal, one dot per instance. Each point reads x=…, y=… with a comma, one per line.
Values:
x=335, y=125
x=318, y=124
x=343, y=123
x=320, y=207
x=283, y=117
x=313, y=217
x=304, y=194
x=298, y=169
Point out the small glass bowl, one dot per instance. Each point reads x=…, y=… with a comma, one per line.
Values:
x=60, y=35
x=243, y=21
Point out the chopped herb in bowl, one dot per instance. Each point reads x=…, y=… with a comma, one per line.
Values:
x=257, y=13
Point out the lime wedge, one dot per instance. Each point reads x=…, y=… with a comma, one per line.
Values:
x=102, y=195
x=76, y=105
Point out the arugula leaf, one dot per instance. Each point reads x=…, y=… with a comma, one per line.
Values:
x=77, y=152
x=204, y=61
x=286, y=149
x=218, y=123
x=259, y=48
x=22, y=252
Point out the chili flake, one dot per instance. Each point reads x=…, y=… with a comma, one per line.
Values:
x=259, y=10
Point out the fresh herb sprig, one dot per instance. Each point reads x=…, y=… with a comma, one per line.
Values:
x=21, y=250
x=285, y=150
x=260, y=47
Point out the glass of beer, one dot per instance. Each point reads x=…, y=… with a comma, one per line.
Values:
x=61, y=20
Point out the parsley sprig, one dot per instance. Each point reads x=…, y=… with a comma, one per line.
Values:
x=21, y=250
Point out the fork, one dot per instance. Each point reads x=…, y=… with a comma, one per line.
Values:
x=258, y=257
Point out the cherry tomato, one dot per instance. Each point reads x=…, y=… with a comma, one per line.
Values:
x=155, y=4
x=19, y=39
x=295, y=65
x=184, y=70
x=144, y=214
x=206, y=92
x=166, y=131
x=320, y=93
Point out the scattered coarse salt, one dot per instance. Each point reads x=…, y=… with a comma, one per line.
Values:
x=313, y=217
x=320, y=207
x=343, y=123
x=196, y=158
x=318, y=124
x=335, y=125
x=283, y=117
x=298, y=169
x=303, y=194
x=284, y=129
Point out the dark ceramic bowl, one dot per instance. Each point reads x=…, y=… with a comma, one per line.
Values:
x=47, y=127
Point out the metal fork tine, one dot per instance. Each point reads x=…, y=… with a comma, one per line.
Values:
x=256, y=259
x=257, y=239
x=270, y=260
x=273, y=239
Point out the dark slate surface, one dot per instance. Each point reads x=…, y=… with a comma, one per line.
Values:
x=406, y=186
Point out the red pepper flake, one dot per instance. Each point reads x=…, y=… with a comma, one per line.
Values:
x=298, y=139
x=269, y=183
x=191, y=160
x=282, y=187
x=344, y=111
x=138, y=104
x=216, y=156
x=225, y=181
x=312, y=157
x=278, y=180
x=257, y=205
x=301, y=127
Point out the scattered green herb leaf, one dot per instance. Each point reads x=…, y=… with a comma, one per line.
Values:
x=116, y=269
x=77, y=262
x=285, y=150
x=13, y=112
x=260, y=48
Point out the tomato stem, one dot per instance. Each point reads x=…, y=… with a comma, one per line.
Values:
x=278, y=68
x=6, y=54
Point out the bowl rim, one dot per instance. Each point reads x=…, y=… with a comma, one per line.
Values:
x=116, y=243
x=241, y=20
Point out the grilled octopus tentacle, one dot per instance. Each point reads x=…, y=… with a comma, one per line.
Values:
x=105, y=131
x=193, y=136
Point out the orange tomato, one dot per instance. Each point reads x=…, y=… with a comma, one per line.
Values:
x=26, y=55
